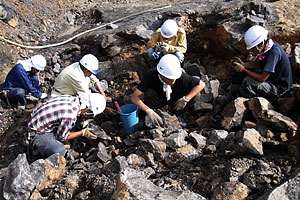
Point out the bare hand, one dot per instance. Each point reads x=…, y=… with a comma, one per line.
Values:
x=107, y=99
x=111, y=111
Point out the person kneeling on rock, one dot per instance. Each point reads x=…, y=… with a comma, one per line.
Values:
x=52, y=122
x=167, y=85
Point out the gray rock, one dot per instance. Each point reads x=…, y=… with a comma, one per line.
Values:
x=132, y=183
x=286, y=191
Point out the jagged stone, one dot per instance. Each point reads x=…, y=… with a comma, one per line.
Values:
x=231, y=190
x=176, y=140
x=114, y=166
x=158, y=148
x=136, y=160
x=234, y=113
x=194, y=67
x=184, y=154
x=238, y=167
x=105, y=71
x=21, y=178
x=216, y=137
x=288, y=190
x=197, y=140
x=102, y=153
x=251, y=142
x=203, y=106
x=113, y=51
x=106, y=40
x=205, y=121
x=211, y=89
x=133, y=184
x=99, y=131
x=262, y=110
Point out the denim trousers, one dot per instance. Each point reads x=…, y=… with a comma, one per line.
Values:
x=16, y=95
x=47, y=145
x=178, y=54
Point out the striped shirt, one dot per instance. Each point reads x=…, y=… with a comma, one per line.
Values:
x=58, y=114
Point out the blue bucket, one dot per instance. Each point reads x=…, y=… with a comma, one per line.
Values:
x=129, y=117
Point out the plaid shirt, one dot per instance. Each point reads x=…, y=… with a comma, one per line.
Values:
x=58, y=114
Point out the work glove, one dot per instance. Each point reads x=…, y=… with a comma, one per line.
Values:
x=29, y=97
x=85, y=123
x=157, y=47
x=180, y=104
x=88, y=134
x=238, y=60
x=155, y=55
x=238, y=67
x=44, y=95
x=156, y=120
x=165, y=48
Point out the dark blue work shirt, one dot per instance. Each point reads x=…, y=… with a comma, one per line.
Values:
x=278, y=64
x=18, y=77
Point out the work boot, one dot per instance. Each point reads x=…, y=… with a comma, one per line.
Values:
x=233, y=94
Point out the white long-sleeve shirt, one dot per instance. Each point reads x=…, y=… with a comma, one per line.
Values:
x=72, y=80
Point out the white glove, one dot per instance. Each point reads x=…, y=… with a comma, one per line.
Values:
x=30, y=97
x=165, y=48
x=88, y=134
x=156, y=120
x=44, y=95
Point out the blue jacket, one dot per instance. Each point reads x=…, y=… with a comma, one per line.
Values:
x=18, y=77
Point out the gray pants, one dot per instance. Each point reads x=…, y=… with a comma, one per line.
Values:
x=46, y=144
x=252, y=88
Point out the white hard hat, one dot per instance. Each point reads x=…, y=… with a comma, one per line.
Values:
x=93, y=101
x=97, y=103
x=90, y=62
x=39, y=62
x=169, y=67
x=255, y=35
x=169, y=28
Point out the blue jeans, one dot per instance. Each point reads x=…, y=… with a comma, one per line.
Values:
x=47, y=145
x=16, y=95
x=178, y=54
